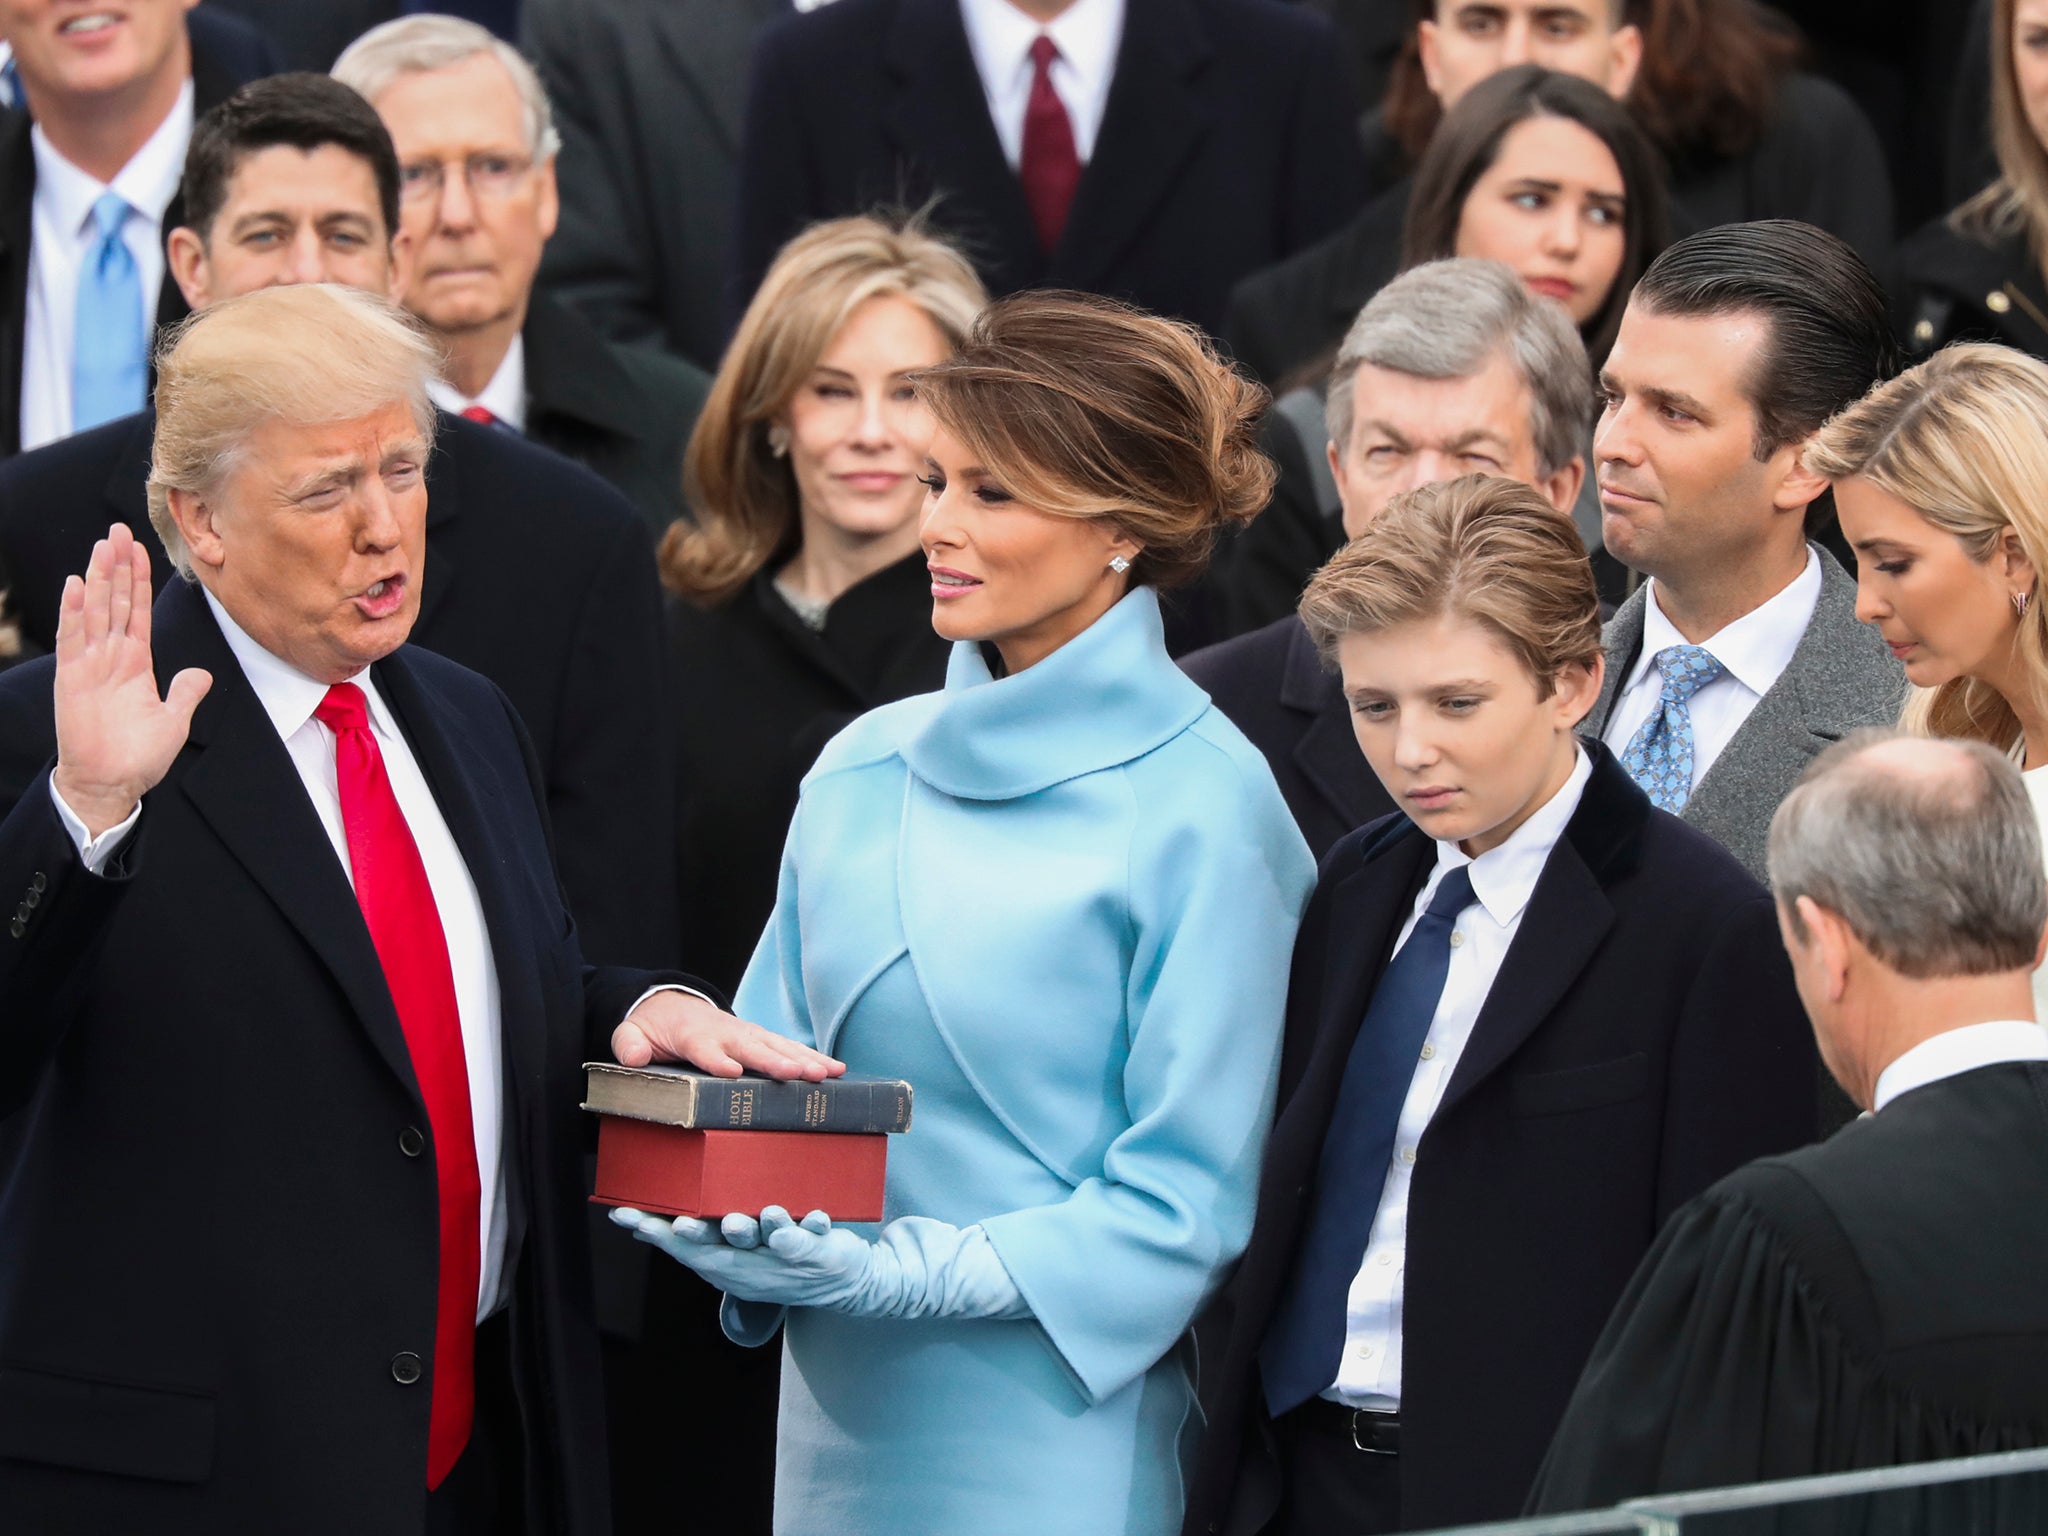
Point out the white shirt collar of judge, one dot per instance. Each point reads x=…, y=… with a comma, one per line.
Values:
x=1956, y=1051
x=504, y=397
x=1087, y=35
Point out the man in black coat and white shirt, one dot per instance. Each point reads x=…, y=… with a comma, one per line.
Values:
x=1151, y=150
x=290, y=990
x=1881, y=1298
x=88, y=188
x=294, y=180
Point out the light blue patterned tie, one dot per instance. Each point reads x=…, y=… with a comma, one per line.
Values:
x=1659, y=758
x=110, y=345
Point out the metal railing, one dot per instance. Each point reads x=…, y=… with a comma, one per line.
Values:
x=1667, y=1514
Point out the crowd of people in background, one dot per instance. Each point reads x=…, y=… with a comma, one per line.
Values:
x=1392, y=647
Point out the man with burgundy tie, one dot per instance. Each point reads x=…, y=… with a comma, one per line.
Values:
x=291, y=1009
x=1151, y=150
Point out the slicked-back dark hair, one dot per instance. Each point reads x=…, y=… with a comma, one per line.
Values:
x=302, y=110
x=1829, y=338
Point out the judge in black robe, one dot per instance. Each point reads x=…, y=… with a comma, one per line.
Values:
x=1879, y=1299
x=1882, y=1298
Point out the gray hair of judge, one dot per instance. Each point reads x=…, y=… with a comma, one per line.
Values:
x=1447, y=320
x=1927, y=849
x=414, y=45
x=306, y=354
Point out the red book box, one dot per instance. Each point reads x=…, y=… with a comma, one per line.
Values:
x=676, y=1172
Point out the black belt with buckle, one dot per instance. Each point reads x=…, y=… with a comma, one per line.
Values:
x=1371, y=1430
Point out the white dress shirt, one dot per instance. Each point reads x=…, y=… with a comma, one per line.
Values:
x=1503, y=878
x=1753, y=651
x=1086, y=33
x=504, y=396
x=1960, y=1050
x=64, y=233
x=289, y=697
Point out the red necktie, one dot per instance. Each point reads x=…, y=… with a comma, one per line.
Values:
x=480, y=414
x=1049, y=167
x=405, y=926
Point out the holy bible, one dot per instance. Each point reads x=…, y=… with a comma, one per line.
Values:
x=681, y=1143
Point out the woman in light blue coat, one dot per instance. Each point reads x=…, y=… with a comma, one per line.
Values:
x=1059, y=897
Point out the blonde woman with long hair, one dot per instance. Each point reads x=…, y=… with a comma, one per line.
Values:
x=1939, y=477
x=803, y=598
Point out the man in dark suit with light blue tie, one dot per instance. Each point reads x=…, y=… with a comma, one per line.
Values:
x=1528, y=1018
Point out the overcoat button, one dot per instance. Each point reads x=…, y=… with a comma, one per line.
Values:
x=405, y=1368
x=411, y=1142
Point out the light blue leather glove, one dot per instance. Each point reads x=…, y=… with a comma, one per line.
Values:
x=916, y=1268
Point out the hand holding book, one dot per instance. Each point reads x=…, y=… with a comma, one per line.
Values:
x=916, y=1267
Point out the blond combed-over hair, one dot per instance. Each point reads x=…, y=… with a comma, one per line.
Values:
x=307, y=354
x=1960, y=439
x=742, y=495
x=1479, y=548
x=1088, y=408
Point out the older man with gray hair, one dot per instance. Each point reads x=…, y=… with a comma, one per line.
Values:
x=476, y=143
x=291, y=1009
x=1454, y=368
x=1882, y=1297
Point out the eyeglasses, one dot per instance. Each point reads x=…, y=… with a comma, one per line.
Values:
x=490, y=176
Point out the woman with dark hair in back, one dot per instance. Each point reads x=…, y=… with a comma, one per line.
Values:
x=1548, y=174
x=1540, y=170
x=1059, y=897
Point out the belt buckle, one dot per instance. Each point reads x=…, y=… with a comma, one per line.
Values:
x=1368, y=1417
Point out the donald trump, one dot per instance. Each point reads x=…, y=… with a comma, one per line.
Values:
x=290, y=1219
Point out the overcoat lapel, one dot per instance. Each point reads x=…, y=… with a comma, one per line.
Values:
x=1327, y=753
x=937, y=118
x=1367, y=910
x=444, y=503
x=242, y=783
x=1622, y=640
x=1152, y=122
x=472, y=803
x=1564, y=925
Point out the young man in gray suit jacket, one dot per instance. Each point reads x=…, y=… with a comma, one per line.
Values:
x=1741, y=657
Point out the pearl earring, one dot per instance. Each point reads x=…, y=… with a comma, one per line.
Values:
x=1119, y=564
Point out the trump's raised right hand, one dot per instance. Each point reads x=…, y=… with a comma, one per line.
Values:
x=115, y=737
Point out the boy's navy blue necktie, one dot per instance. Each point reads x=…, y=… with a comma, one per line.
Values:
x=1299, y=1356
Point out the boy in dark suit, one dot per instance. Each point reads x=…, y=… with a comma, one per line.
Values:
x=1528, y=1018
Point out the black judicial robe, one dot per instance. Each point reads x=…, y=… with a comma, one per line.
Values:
x=1878, y=1299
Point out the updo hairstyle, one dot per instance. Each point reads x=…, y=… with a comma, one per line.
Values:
x=1087, y=408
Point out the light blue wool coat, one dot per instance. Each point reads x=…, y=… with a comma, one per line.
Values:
x=1062, y=904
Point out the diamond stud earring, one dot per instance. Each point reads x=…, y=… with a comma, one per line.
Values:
x=1119, y=564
